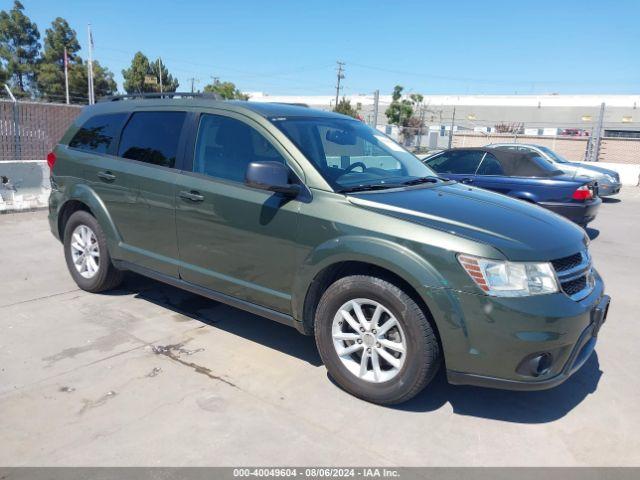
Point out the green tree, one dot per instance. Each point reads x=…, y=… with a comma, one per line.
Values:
x=51, y=68
x=169, y=82
x=227, y=90
x=141, y=70
x=19, y=47
x=401, y=112
x=135, y=75
x=344, y=106
x=56, y=39
x=400, y=108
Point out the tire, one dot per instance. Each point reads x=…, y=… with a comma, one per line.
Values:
x=421, y=358
x=105, y=276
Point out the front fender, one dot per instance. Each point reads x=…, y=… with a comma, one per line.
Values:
x=376, y=251
x=432, y=287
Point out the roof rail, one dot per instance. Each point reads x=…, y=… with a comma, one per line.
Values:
x=155, y=95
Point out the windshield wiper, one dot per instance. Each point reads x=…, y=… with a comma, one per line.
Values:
x=364, y=188
x=419, y=180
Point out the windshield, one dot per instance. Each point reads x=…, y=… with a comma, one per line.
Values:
x=555, y=156
x=350, y=155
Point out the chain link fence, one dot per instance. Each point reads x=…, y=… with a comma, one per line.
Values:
x=612, y=150
x=30, y=130
x=575, y=148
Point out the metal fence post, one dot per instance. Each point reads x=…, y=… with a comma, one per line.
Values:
x=593, y=145
x=16, y=129
x=16, y=124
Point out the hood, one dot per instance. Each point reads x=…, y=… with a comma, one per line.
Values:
x=520, y=230
x=593, y=169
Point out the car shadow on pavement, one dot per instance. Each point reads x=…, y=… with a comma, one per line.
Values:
x=246, y=325
x=510, y=406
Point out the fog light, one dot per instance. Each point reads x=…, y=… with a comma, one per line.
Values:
x=535, y=365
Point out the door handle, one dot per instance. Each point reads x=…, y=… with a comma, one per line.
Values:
x=107, y=176
x=466, y=180
x=192, y=196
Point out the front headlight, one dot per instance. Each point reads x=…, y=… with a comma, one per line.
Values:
x=611, y=178
x=501, y=278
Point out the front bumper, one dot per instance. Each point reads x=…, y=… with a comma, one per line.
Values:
x=580, y=213
x=608, y=189
x=581, y=352
x=503, y=334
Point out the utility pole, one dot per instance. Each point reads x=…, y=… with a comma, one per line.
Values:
x=376, y=101
x=193, y=79
x=66, y=75
x=90, y=66
x=340, y=77
x=453, y=120
x=421, y=116
x=160, y=72
x=596, y=136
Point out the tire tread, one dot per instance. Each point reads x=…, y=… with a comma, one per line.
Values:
x=428, y=358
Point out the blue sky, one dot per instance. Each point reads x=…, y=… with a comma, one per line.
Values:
x=290, y=47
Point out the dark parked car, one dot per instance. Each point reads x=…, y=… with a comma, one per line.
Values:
x=315, y=220
x=523, y=175
x=608, y=180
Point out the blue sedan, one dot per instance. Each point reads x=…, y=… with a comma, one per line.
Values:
x=525, y=176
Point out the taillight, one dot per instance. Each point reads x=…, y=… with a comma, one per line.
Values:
x=51, y=160
x=583, y=193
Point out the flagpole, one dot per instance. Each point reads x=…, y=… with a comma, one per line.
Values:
x=90, y=67
x=66, y=75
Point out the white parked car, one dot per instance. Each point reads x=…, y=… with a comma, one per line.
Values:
x=608, y=180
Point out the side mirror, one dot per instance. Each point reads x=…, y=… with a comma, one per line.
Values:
x=271, y=176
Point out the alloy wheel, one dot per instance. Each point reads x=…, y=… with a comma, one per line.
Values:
x=369, y=340
x=85, y=251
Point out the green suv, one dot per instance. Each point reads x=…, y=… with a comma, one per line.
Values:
x=317, y=221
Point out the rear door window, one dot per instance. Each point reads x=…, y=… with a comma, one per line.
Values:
x=97, y=134
x=152, y=137
x=490, y=166
x=460, y=163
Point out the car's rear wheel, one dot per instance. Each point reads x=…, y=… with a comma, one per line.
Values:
x=87, y=255
x=375, y=341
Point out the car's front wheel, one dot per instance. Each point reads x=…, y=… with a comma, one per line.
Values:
x=375, y=340
x=87, y=255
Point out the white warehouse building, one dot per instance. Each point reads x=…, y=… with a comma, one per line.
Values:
x=535, y=114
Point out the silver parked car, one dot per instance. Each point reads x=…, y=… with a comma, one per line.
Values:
x=608, y=180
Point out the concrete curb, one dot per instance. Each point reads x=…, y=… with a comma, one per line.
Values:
x=24, y=185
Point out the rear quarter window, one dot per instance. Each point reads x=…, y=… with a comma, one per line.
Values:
x=96, y=135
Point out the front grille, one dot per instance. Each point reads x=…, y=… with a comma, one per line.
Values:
x=574, y=274
x=567, y=263
x=575, y=286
